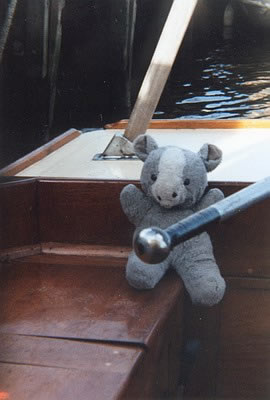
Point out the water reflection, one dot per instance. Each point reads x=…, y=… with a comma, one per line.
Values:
x=231, y=80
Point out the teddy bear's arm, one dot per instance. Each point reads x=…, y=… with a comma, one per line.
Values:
x=135, y=203
x=211, y=197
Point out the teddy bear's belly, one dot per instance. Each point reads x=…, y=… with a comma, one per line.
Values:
x=163, y=218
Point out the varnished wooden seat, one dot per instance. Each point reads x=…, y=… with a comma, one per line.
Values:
x=86, y=302
x=77, y=329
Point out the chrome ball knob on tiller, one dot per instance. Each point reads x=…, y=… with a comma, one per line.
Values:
x=152, y=245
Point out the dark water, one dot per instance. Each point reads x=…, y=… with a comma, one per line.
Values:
x=229, y=80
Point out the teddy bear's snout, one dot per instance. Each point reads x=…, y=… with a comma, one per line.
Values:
x=169, y=198
x=174, y=195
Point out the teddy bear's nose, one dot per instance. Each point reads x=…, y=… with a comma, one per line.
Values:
x=174, y=195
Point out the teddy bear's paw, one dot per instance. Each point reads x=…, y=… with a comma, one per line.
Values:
x=216, y=195
x=141, y=281
x=134, y=203
x=144, y=276
x=209, y=292
x=128, y=192
x=211, y=197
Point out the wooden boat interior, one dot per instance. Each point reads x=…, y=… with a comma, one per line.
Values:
x=71, y=326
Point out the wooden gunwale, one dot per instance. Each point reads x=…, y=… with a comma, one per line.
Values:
x=197, y=124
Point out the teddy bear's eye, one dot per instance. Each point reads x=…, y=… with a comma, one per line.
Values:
x=154, y=177
x=186, y=182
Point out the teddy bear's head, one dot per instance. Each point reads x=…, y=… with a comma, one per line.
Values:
x=175, y=176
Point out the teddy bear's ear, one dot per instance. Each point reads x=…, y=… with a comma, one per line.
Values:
x=143, y=145
x=211, y=156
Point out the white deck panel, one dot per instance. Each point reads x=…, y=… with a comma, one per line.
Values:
x=246, y=155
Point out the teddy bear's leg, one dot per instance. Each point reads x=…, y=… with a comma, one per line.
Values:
x=203, y=282
x=144, y=276
x=199, y=272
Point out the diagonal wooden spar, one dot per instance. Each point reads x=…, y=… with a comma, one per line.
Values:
x=160, y=67
x=156, y=76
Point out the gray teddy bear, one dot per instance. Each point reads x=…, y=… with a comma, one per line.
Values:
x=174, y=182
